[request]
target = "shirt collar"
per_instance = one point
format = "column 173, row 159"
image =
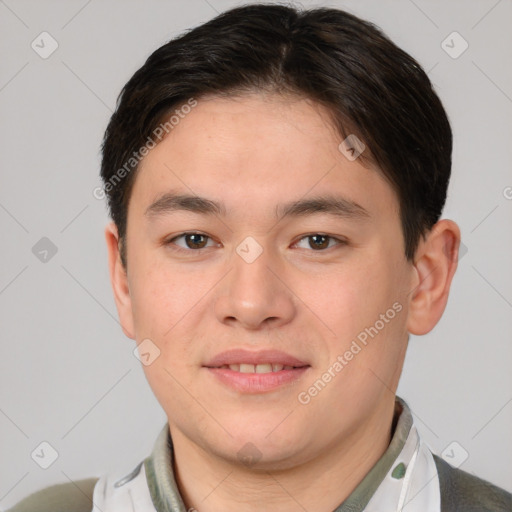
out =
column 362, row 494
column 385, row 477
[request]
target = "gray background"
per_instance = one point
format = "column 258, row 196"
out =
column 67, row 373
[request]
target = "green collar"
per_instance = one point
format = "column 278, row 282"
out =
column 362, row 494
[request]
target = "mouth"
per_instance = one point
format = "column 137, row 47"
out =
column 257, row 368
column 256, row 372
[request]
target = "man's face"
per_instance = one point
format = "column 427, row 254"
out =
column 302, row 287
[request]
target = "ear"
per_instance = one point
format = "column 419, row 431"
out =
column 435, row 264
column 119, row 281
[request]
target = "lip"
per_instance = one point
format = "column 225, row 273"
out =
column 241, row 355
column 256, row 382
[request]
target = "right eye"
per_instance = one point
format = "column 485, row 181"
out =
column 191, row 241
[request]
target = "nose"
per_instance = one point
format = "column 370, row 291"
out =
column 255, row 294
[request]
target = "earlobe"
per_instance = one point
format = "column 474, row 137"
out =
column 435, row 265
column 119, row 281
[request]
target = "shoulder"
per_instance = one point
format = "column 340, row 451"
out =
column 461, row 491
column 66, row 497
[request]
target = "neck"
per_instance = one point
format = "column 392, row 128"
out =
column 208, row 483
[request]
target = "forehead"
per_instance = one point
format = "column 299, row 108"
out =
column 258, row 149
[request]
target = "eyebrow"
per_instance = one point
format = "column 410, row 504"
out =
column 170, row 202
column 329, row 204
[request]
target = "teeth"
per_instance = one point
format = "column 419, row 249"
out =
column 263, row 368
column 257, row 368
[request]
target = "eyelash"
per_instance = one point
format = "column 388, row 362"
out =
column 340, row 242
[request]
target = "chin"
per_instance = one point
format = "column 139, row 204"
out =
column 256, row 449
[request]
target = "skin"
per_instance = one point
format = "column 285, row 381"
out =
column 252, row 153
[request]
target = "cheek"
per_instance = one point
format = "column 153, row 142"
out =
column 363, row 302
column 161, row 297
column 168, row 304
column 346, row 300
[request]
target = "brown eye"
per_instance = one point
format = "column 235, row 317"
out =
column 318, row 241
column 187, row 241
column 195, row 240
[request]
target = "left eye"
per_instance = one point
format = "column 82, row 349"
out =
column 318, row 241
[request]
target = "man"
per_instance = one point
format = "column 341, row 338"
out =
column 276, row 180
